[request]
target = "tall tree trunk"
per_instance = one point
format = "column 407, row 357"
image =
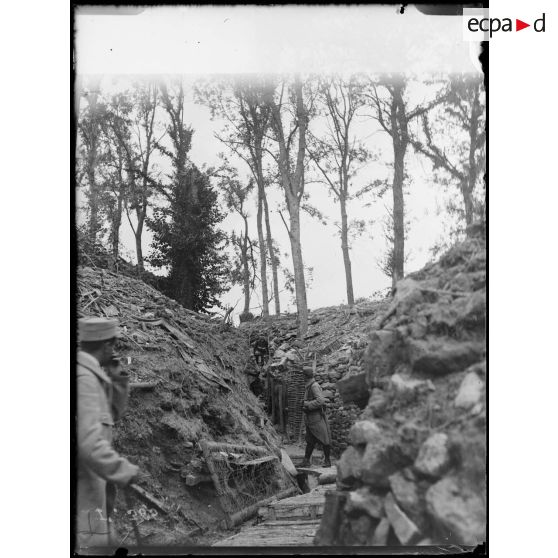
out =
column 138, row 234
column 263, row 255
column 468, row 188
column 245, row 267
column 398, row 214
column 345, row 250
column 293, row 187
column 246, row 278
column 400, row 141
column 115, row 233
column 298, row 265
column 272, row 256
column 93, row 134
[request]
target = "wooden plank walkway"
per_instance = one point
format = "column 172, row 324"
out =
column 275, row 533
column 303, row 506
column 289, row 522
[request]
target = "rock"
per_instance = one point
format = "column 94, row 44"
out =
column 475, row 310
column 406, row 494
column 328, row 394
column 403, row 385
column 408, row 294
column 380, row 460
column 364, row 431
column 433, row 458
column 362, row 500
column 381, row 355
column 406, row 531
column 412, row 432
column 354, row 389
column 439, row 356
column 284, row 347
column 459, row 512
column 470, row 391
column 381, row 533
column 339, row 358
column 362, row 529
column 378, row 402
column 349, row 467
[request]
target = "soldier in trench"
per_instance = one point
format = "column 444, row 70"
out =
column 102, row 391
column 315, row 419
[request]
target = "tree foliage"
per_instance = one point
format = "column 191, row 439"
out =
column 187, row 241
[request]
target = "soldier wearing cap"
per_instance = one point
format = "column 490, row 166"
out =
column 102, row 390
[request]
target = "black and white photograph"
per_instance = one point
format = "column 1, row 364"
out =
column 279, row 227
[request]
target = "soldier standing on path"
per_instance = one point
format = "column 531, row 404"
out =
column 315, row 419
column 102, row 392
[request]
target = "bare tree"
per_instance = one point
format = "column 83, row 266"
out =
column 138, row 147
column 291, row 141
column 463, row 161
column 393, row 115
column 247, row 117
column 90, row 130
column 236, row 196
column 338, row 154
column 113, row 174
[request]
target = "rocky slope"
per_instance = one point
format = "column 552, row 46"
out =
column 414, row 472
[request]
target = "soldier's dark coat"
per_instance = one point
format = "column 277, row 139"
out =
column 315, row 418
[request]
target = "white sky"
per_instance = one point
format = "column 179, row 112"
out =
column 372, row 39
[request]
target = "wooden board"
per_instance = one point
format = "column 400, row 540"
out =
column 304, row 506
column 318, row 471
column 275, row 533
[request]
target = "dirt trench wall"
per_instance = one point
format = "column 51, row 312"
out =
column 193, row 388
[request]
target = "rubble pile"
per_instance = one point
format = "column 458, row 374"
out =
column 188, row 385
column 414, row 472
column 334, row 346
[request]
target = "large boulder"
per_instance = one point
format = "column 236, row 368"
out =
column 364, row 431
column 362, row 500
column 470, row 392
column 380, row 460
column 406, row 531
column 457, row 511
column 439, row 356
column 406, row 494
column 381, row 533
column 382, row 353
column 433, row 458
column 349, row 466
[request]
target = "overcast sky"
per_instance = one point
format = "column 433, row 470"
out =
column 209, row 40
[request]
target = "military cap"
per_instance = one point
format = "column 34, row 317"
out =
column 97, row 329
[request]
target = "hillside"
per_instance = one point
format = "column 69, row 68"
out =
column 194, row 388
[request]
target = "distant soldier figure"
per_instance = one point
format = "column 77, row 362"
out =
column 261, row 350
column 102, row 390
column 315, row 419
